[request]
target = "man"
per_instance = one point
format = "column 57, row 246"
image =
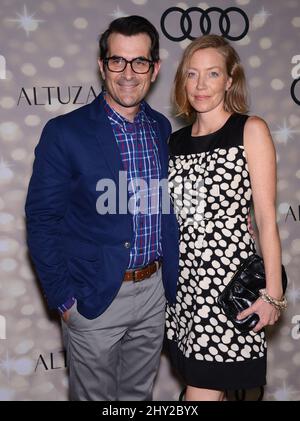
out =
column 100, row 264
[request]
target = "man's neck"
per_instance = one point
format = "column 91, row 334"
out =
column 127, row 112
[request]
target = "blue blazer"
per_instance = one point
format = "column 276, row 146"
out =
column 76, row 251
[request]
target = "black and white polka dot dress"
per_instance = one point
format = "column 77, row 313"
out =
column 211, row 192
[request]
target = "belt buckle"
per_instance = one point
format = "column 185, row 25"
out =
column 134, row 276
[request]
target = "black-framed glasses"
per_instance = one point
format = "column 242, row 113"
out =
column 118, row 64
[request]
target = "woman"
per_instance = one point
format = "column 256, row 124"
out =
column 219, row 163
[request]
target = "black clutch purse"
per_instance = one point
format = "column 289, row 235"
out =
column 243, row 290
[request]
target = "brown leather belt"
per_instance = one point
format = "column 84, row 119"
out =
column 138, row 275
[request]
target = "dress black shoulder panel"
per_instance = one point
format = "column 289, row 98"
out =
column 177, row 140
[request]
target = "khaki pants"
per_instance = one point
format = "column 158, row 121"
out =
column 116, row 356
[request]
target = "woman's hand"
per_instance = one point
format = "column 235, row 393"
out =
column 268, row 314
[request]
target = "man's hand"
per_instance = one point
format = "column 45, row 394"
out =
column 65, row 316
column 250, row 227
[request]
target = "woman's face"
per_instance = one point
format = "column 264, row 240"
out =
column 207, row 80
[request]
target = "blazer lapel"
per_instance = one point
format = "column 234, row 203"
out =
column 162, row 151
column 162, row 145
column 106, row 138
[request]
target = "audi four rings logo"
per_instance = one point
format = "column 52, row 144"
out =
column 204, row 22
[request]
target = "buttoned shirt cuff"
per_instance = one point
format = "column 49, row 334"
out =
column 67, row 305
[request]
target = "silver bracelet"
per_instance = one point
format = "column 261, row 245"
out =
column 278, row 304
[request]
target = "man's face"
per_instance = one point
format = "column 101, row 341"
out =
column 125, row 90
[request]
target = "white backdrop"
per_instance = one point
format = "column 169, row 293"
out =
column 48, row 66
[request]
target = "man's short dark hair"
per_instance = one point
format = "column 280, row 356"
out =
column 131, row 25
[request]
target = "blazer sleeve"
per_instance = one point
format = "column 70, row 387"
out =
column 46, row 205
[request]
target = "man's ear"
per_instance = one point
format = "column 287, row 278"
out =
column 101, row 68
column 156, row 67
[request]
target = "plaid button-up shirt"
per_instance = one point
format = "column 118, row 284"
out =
column 137, row 143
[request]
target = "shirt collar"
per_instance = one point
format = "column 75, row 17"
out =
column 118, row 118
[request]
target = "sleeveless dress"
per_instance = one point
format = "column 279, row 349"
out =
column 210, row 189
